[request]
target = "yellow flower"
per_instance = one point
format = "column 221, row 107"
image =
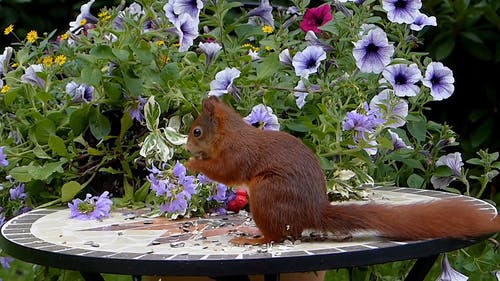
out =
column 160, row 43
column 60, row 60
column 5, row 89
column 32, row 36
column 83, row 22
column 65, row 36
column 14, row 65
column 47, row 61
column 267, row 29
column 104, row 15
column 268, row 48
column 247, row 45
column 8, row 29
column 164, row 58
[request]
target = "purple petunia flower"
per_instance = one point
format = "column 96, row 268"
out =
column 308, row 61
column 3, row 158
column 4, row 60
column 264, row 12
column 187, row 29
column 439, row 79
column 448, row 273
column 30, row 76
column 190, row 7
column 373, row 52
column 262, row 117
column 402, row 11
column 454, row 162
column 211, row 49
column 137, row 113
column 134, row 10
column 397, row 141
column 285, row 57
column 84, row 15
column 3, row 220
column 422, row 20
column 403, row 78
column 362, row 124
column 390, row 108
column 301, row 94
column 223, row 82
column 80, row 92
column 17, row 193
column 92, row 207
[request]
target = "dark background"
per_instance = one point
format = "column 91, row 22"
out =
column 466, row 40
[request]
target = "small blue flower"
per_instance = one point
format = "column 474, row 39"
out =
column 403, row 78
column 373, row 52
column 439, row 79
column 455, row 163
column 3, row 158
column 308, row 61
column 17, row 193
column 397, row 141
column 448, row 273
column 362, row 124
column 3, row 220
column 30, row 76
column 137, row 113
column 92, row 207
column 85, row 14
column 264, row 12
column 402, row 11
column 5, row 262
column 262, row 117
column 211, row 49
column 390, row 108
column 422, row 20
column 80, row 92
column 187, row 29
column 223, row 82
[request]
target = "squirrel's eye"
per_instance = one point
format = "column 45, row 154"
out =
column 197, row 132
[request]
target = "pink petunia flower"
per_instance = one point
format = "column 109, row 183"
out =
column 316, row 17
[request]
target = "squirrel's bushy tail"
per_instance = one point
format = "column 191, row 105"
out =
column 447, row 218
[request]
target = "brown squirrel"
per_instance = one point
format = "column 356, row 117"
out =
column 287, row 187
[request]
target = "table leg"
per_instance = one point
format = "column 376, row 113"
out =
column 421, row 268
column 92, row 276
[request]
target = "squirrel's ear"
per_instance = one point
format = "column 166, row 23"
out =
column 208, row 104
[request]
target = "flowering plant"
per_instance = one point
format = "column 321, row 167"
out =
column 105, row 106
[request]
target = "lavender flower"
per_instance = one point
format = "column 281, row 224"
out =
column 422, row 20
column 397, row 142
column 4, row 60
column 308, row 61
column 262, row 117
column 223, row 82
column 175, row 189
column 5, row 262
column 80, row 92
column 390, row 108
column 30, row 76
column 3, row 220
column 190, row 7
column 84, row 16
column 301, row 94
column 220, row 194
column 285, row 57
column 134, row 10
column 137, row 112
column 402, row 11
column 403, row 78
column 264, row 12
column 439, row 79
column 187, row 29
column 448, row 273
column 17, row 193
column 3, row 158
column 211, row 49
column 313, row 40
column 455, row 163
column 92, row 207
column 361, row 124
column 373, row 52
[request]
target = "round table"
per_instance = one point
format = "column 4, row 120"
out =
column 129, row 242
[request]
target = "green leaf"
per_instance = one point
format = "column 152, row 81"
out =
column 103, row 52
column 174, row 137
column 443, row 171
column 43, row 130
column 122, row 55
column 21, row 174
column 142, row 192
column 475, row 161
column 69, row 190
column 125, row 123
column 415, row 181
column 79, row 120
column 152, row 113
column 270, row 65
column 34, row 172
column 99, row 124
column 413, row 163
column 445, row 47
column 417, row 129
column 143, row 52
column 57, row 145
column 91, row 75
column 40, row 153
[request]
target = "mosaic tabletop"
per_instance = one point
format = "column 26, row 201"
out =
column 130, row 242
